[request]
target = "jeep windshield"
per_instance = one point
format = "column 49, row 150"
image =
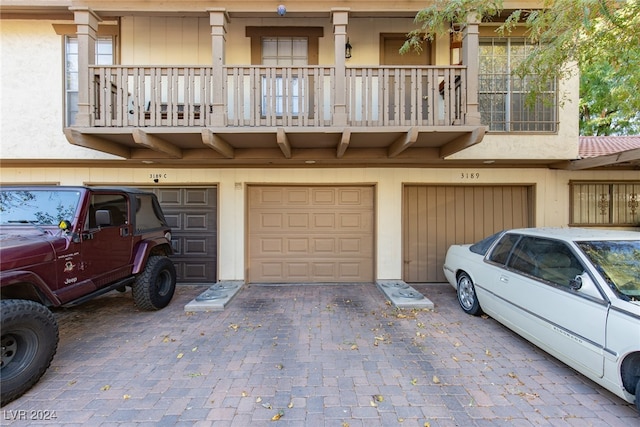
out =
column 617, row 262
column 38, row 206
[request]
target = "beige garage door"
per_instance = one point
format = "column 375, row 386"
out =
column 435, row 217
column 310, row 234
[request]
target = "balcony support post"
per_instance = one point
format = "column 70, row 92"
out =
column 218, row 20
column 87, row 28
column 340, row 21
column 470, row 58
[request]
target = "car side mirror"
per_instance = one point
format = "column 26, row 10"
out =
column 585, row 285
column 576, row 283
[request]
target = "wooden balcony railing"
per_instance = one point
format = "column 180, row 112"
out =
column 254, row 96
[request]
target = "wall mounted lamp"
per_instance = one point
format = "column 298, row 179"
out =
column 347, row 50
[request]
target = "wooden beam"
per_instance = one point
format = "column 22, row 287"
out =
column 283, row 142
column 156, row 144
column 214, row 141
column 344, row 143
column 96, row 143
column 629, row 156
column 463, row 141
column 404, row 142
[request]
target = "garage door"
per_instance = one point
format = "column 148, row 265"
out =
column 192, row 216
column 435, row 217
column 310, row 234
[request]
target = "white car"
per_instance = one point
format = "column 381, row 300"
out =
column 575, row 293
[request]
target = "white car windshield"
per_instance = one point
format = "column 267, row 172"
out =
column 618, row 262
column 38, row 207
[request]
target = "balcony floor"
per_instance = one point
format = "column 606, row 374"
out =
column 280, row 146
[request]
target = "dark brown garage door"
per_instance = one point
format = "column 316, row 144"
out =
column 435, row 217
column 192, row 216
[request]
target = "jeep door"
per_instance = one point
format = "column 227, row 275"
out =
column 107, row 240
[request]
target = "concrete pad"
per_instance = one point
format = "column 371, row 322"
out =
column 402, row 295
column 216, row 298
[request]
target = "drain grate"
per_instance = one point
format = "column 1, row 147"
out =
column 211, row 295
column 409, row 294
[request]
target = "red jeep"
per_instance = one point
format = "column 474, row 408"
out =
column 61, row 246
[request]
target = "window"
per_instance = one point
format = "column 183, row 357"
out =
column 114, row 205
column 502, row 95
column 285, row 94
column 104, row 56
column 605, row 203
column 500, row 254
column 549, row 260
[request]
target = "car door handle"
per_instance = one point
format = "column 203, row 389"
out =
column 504, row 279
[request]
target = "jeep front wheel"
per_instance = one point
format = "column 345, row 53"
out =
column 29, row 341
column 154, row 287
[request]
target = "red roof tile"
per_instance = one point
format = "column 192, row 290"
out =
column 594, row 146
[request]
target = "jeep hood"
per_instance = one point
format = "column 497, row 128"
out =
column 19, row 248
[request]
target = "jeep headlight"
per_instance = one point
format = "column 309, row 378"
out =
column 167, row 235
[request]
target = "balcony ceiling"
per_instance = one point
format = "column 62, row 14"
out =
column 260, row 146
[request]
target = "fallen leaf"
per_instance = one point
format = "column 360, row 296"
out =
column 426, row 424
column 414, row 381
column 455, row 359
column 378, row 398
column 435, row 380
column 277, row 416
column 345, row 424
column 354, row 347
column 290, row 405
column 512, row 375
column 179, row 356
column 244, row 394
column 105, row 388
column 279, row 366
column 126, row 396
column 258, row 399
column 374, row 404
column 487, row 352
column 194, row 349
column 267, row 405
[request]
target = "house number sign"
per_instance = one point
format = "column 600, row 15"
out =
column 469, row 175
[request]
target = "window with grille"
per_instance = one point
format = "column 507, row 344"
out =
column 502, row 94
column 284, row 93
column 605, row 203
column 104, row 56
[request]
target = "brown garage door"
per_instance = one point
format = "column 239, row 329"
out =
column 192, row 216
column 435, row 217
column 310, row 234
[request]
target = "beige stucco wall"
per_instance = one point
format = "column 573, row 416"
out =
column 31, row 94
column 551, row 203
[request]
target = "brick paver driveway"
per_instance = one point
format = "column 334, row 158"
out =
column 310, row 355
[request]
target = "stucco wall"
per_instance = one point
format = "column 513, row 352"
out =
column 551, row 196
column 31, row 94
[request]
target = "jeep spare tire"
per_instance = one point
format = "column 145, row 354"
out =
column 29, row 341
column 155, row 285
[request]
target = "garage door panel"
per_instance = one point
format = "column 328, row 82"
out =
column 309, row 233
column 192, row 215
column 435, row 217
